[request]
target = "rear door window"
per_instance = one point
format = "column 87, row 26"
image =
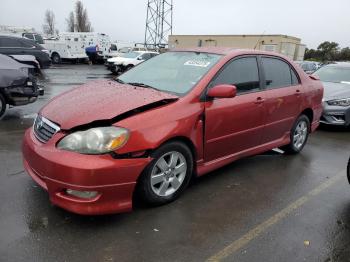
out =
column 242, row 72
column 278, row 73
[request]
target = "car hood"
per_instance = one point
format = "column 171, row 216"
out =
column 336, row 90
column 100, row 101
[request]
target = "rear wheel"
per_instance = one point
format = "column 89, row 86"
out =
column 168, row 175
column 2, row 105
column 298, row 135
column 56, row 59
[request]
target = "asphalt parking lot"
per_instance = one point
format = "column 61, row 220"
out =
column 270, row 207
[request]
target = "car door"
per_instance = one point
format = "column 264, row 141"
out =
column 233, row 125
column 283, row 97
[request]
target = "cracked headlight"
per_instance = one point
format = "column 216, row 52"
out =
column 95, row 141
column 339, row 102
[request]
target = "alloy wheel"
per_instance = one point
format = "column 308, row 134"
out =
column 168, row 173
column 300, row 134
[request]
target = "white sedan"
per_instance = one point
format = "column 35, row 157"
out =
column 128, row 60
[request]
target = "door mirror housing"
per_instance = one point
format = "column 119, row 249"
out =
column 222, row 91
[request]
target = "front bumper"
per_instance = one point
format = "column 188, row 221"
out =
column 57, row 170
column 22, row 95
column 335, row 115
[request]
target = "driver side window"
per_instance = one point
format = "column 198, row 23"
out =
column 242, row 72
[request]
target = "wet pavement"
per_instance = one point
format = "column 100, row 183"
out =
column 270, row 207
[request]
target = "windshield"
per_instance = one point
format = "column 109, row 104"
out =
column 174, row 72
column 124, row 49
column 131, row 55
column 334, row 74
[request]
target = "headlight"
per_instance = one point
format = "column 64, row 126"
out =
column 95, row 141
column 339, row 102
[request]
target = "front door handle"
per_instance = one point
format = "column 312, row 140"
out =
column 259, row 100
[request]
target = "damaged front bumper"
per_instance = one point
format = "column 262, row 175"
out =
column 23, row 94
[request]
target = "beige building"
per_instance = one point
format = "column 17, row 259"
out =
column 283, row 44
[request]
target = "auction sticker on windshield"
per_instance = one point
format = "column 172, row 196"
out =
column 200, row 63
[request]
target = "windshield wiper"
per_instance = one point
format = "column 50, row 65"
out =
column 141, row 85
column 119, row 81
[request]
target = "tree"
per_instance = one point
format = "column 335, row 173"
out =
column 49, row 23
column 328, row 50
column 82, row 23
column 70, row 22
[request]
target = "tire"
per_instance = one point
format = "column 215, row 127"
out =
column 56, row 59
column 298, row 135
column 160, row 183
column 2, row 105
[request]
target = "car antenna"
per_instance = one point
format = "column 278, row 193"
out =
column 259, row 40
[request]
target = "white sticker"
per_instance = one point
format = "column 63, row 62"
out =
column 200, row 63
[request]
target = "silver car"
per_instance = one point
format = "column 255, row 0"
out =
column 336, row 100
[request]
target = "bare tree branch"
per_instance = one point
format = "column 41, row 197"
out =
column 49, row 23
column 70, row 22
column 82, row 23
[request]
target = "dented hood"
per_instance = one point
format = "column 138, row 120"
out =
column 99, row 100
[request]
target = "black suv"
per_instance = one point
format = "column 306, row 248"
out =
column 10, row 45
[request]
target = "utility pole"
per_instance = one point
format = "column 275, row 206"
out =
column 159, row 23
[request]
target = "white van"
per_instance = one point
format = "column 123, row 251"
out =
column 72, row 45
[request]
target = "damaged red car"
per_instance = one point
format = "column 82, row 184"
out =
column 181, row 114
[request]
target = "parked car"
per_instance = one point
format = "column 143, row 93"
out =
column 180, row 114
column 28, row 60
column 10, row 45
column 115, row 52
column 308, row 67
column 17, row 84
column 336, row 101
column 128, row 60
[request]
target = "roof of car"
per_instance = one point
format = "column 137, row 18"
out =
column 224, row 51
column 339, row 64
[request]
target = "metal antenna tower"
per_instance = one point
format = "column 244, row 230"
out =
column 159, row 23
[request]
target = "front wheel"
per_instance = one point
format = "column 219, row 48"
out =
column 298, row 135
column 2, row 105
column 168, row 175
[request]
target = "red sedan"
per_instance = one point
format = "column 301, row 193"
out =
column 178, row 115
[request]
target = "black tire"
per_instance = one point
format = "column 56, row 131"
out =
column 2, row 105
column 291, row 148
column 144, row 187
column 56, row 59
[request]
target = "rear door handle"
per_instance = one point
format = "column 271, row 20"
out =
column 259, row 100
column 297, row 92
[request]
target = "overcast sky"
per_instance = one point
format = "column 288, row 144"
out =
column 313, row 21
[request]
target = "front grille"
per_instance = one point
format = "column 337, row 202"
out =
column 44, row 129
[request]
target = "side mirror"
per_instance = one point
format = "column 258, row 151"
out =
column 139, row 58
column 314, row 77
column 222, row 91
